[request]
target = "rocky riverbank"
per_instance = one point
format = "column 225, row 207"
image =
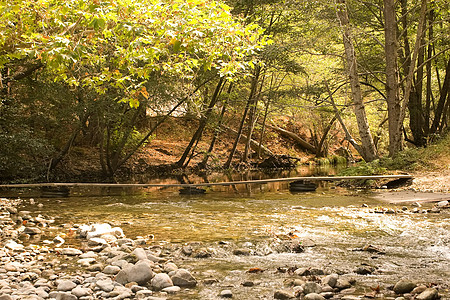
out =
column 108, row 265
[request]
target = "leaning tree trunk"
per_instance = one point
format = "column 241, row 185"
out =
column 369, row 151
column 203, row 121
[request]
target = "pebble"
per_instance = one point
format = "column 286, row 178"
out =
column 428, row 294
column 404, row 286
column 226, row 294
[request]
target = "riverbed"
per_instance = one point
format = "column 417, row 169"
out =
column 333, row 224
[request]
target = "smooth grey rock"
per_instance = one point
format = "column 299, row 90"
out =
column 143, row 294
column 81, row 292
column 311, row 288
column 161, row 281
column 330, row 280
column 419, row 289
column 66, row 285
column 170, row 267
column 171, row 289
column 428, row 294
column 183, row 278
column 106, row 285
column 314, row 296
column 226, row 294
column 442, row 203
column 342, row 284
column 404, row 286
column 139, row 253
column 140, row 273
column 111, row 270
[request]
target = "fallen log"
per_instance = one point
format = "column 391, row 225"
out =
column 253, row 144
column 299, row 141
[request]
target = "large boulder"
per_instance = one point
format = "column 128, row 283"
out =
column 183, row 278
column 161, row 280
column 140, row 273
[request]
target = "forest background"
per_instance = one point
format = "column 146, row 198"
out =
column 89, row 89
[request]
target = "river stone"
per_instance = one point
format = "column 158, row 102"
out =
column 428, row 294
column 311, row 288
column 95, row 241
column 242, row 251
column 442, row 203
column 330, row 280
column 66, row 285
column 81, row 292
column 139, row 253
column 419, row 289
column 342, row 283
column 404, row 286
column 32, row 230
column 143, row 294
column 282, row 294
column 140, row 273
column 111, row 270
column 65, row 296
column 314, row 296
column 170, row 267
column 171, row 289
column 105, row 285
column 69, row 251
column 183, row 278
column 226, row 294
column 161, row 280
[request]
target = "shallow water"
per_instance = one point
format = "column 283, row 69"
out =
column 332, row 220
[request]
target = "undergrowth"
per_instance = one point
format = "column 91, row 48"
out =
column 431, row 158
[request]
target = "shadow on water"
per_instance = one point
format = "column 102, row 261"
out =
column 331, row 221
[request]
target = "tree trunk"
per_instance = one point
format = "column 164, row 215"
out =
column 203, row 121
column 369, row 151
column 216, row 131
column 299, row 141
column 429, row 92
column 442, row 98
column 392, row 91
column 253, row 100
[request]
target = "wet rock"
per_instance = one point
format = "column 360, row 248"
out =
column 144, row 294
column 226, row 294
column 404, row 286
column 428, row 294
column 314, row 296
column 183, row 278
column 302, row 272
column 248, row 283
column 327, row 295
column 170, row 267
column 32, row 230
column 95, row 268
column 342, row 284
column 202, row 253
column 442, row 204
column 66, row 285
column 69, row 251
column 364, row 270
column 418, row 289
column 140, row 273
column 161, row 281
column 94, row 242
column 283, row 294
column 171, row 289
column 242, row 251
column 311, row 288
column 330, row 280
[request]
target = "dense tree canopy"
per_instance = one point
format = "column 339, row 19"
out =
column 371, row 77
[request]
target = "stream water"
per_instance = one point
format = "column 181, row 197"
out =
column 331, row 222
